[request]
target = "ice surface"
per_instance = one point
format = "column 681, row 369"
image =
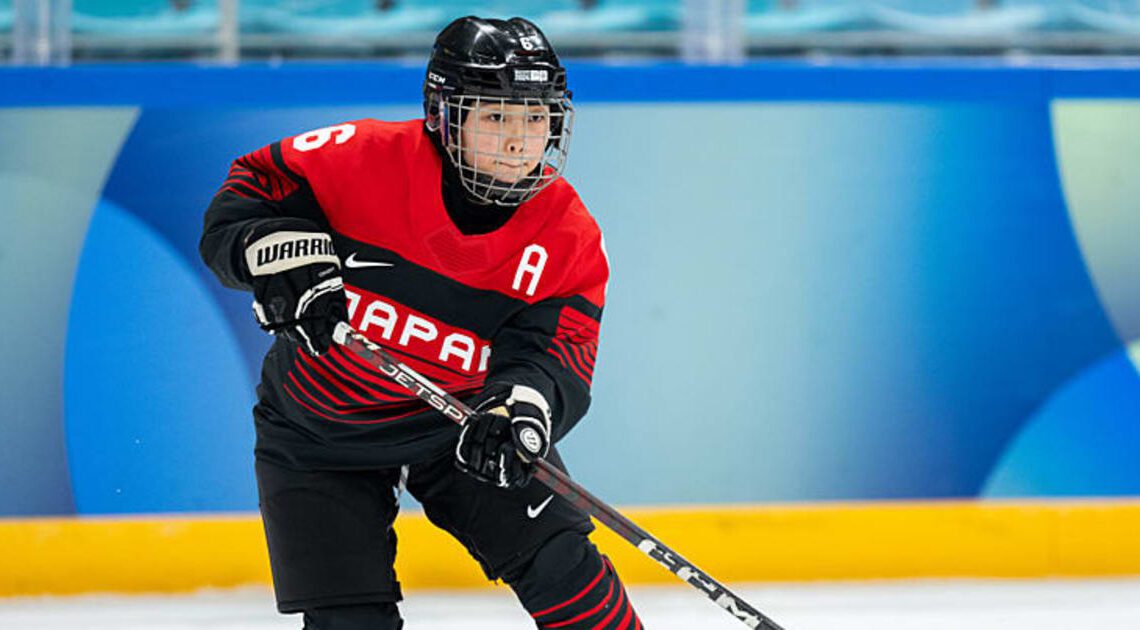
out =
column 924, row 605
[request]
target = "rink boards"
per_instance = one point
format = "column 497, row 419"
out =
column 734, row 544
column 872, row 283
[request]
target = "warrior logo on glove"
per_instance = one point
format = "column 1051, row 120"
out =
column 297, row 287
column 531, row 441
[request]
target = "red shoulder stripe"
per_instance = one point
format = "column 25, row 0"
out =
column 273, row 182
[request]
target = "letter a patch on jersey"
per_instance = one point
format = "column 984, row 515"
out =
column 530, row 268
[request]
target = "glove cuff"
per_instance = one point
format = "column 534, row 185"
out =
column 519, row 401
column 530, row 420
column 530, row 395
column 281, row 251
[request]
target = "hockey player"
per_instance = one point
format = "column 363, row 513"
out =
column 454, row 242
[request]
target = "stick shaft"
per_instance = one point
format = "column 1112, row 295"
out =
column 561, row 484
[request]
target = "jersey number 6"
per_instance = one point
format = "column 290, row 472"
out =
column 317, row 138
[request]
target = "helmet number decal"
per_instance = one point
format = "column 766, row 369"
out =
column 318, row 138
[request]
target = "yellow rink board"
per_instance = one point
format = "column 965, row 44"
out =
column 733, row 544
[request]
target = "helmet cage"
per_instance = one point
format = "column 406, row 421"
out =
column 465, row 153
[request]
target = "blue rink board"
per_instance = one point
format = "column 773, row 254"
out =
column 295, row 84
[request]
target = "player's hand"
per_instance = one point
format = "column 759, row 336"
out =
column 297, row 287
column 510, row 430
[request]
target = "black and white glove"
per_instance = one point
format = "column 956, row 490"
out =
column 297, row 287
column 500, row 442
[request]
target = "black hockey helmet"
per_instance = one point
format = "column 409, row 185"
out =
column 478, row 62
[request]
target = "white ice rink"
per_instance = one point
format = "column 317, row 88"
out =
column 927, row 605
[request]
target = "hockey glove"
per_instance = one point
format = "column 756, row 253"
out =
column 297, row 287
column 500, row 442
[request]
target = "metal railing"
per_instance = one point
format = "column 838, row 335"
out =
column 704, row 31
column 41, row 32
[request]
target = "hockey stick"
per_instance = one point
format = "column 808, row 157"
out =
column 560, row 483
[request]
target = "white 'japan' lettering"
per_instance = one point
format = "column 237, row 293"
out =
column 383, row 315
column 460, row 346
column 455, row 348
column 418, row 327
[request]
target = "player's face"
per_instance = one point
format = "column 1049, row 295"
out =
column 505, row 140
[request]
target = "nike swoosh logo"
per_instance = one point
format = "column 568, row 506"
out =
column 533, row 512
column 351, row 261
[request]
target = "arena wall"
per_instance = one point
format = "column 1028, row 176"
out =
column 871, row 319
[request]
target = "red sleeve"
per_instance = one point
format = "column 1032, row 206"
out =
column 270, row 184
column 552, row 345
column 262, row 175
column 575, row 339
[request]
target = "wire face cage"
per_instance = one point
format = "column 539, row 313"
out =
column 506, row 150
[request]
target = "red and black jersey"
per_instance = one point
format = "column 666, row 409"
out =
column 520, row 304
